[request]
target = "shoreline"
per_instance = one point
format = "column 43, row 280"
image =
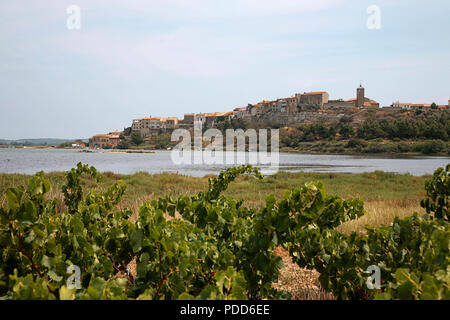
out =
column 406, row 155
column 399, row 155
column 119, row 176
column 388, row 155
column 349, row 147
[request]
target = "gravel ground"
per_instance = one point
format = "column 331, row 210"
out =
column 302, row 284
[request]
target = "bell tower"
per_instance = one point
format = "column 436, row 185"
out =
column 360, row 97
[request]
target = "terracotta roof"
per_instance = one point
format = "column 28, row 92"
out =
column 147, row 118
column 403, row 103
column 264, row 101
column 314, row 93
column 215, row 114
column 366, row 100
column 170, row 118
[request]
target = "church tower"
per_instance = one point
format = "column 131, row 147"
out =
column 360, row 96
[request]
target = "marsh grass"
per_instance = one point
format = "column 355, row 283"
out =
column 376, row 186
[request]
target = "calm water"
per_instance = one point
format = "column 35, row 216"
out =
column 30, row 161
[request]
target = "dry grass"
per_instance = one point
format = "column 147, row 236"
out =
column 383, row 212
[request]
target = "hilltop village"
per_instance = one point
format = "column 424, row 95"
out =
column 301, row 108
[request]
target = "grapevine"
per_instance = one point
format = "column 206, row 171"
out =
column 210, row 246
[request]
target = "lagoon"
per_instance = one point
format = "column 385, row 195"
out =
column 31, row 160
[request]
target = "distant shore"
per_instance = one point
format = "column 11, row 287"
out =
column 325, row 147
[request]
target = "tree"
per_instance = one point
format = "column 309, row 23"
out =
column 433, row 146
column 346, row 131
column 127, row 131
column 321, row 130
column 371, row 129
column 123, row 145
column 332, row 132
column 136, row 138
column 240, row 124
column 66, row 144
column 434, row 106
column 161, row 141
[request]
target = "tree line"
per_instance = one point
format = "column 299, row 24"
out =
column 428, row 129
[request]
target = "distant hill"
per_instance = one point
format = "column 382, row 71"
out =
column 42, row 141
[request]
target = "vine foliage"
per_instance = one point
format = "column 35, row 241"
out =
column 210, row 246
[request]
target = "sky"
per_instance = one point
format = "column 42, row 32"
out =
column 136, row 58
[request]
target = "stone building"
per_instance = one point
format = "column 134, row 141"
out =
column 169, row 123
column 368, row 103
column 187, row 122
column 212, row 119
column 239, row 113
column 146, row 123
column 104, row 141
column 420, row 106
column 312, row 99
column 200, row 117
column 279, row 106
column 152, row 126
column 402, row 105
column 265, row 106
column 259, row 109
column 337, row 104
column 188, row 118
column 291, row 104
column 361, row 101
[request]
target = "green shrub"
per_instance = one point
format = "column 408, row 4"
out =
column 216, row 248
column 403, row 147
column 123, row 145
column 376, row 148
column 430, row 147
column 357, row 143
column 412, row 253
column 136, row 138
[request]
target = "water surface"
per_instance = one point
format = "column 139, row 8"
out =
column 29, row 161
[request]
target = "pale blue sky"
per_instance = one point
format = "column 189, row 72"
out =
column 136, row 58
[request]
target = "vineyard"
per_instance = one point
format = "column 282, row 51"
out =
column 210, row 246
